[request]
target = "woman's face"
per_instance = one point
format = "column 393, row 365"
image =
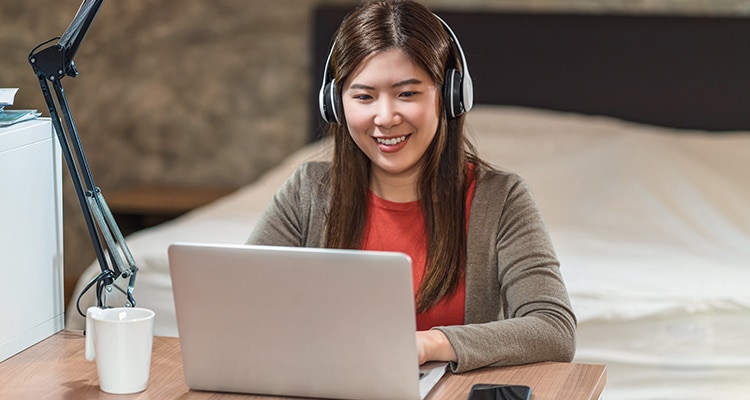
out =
column 392, row 112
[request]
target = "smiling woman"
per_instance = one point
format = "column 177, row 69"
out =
column 404, row 178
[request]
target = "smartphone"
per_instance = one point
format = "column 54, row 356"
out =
column 489, row 391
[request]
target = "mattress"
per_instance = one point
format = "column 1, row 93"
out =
column 651, row 226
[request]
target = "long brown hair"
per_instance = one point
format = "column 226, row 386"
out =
column 411, row 27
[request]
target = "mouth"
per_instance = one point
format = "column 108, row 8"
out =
column 391, row 141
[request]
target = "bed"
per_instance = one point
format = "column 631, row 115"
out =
column 634, row 136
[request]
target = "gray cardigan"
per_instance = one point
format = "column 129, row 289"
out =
column 517, row 308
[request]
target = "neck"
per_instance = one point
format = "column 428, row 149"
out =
column 400, row 188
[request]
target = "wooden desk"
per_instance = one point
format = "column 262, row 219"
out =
column 56, row 369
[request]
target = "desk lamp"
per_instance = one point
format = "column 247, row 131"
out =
column 51, row 64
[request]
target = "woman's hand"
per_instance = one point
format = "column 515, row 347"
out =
column 432, row 345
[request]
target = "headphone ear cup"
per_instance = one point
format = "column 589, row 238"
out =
column 329, row 103
column 453, row 93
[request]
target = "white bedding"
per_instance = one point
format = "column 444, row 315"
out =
column 651, row 226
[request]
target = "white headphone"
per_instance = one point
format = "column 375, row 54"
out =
column 458, row 89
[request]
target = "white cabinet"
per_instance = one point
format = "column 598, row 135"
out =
column 31, row 246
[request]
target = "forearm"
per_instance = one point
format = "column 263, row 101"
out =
column 522, row 340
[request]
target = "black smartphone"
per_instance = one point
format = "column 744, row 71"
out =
column 489, row 391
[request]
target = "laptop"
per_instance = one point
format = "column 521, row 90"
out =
column 304, row 322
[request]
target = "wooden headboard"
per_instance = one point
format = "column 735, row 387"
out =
column 688, row 72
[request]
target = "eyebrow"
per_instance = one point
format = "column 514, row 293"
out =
column 411, row 81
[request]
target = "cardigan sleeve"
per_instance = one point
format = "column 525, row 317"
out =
column 295, row 215
column 518, row 310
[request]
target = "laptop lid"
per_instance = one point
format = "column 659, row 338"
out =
column 296, row 321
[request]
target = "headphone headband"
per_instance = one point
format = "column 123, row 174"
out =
column 458, row 89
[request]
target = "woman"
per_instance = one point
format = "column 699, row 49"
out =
column 404, row 178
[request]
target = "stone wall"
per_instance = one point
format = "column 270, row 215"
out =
column 206, row 92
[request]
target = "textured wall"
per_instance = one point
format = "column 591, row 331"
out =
column 203, row 91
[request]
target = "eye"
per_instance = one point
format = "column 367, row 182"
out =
column 408, row 94
column 362, row 97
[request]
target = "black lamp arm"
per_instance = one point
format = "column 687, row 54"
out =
column 50, row 65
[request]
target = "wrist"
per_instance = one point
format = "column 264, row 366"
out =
column 439, row 348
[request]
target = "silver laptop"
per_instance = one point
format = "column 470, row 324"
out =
column 298, row 322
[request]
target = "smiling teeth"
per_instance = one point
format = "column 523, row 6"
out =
column 391, row 142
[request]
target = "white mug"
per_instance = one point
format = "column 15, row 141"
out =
column 120, row 339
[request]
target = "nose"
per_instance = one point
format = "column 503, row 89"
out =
column 387, row 114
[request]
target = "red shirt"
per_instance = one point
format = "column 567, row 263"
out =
column 400, row 227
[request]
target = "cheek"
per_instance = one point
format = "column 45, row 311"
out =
column 425, row 115
column 357, row 118
column 358, row 125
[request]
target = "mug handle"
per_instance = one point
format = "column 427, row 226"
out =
column 91, row 312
